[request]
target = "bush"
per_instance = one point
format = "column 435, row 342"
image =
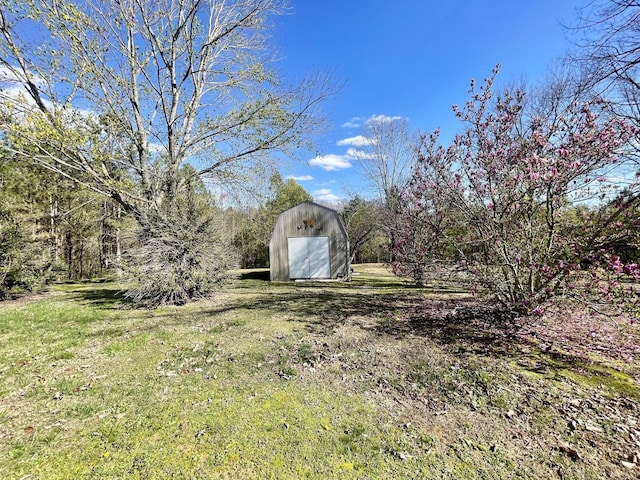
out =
column 184, row 252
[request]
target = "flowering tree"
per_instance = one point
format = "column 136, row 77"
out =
column 513, row 200
column 427, row 225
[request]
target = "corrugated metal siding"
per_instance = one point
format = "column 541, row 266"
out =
column 308, row 219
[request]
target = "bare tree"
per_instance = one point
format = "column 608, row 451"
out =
column 608, row 53
column 123, row 95
column 361, row 219
column 386, row 154
column 608, row 61
column 150, row 85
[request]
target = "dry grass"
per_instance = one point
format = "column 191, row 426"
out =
column 370, row 379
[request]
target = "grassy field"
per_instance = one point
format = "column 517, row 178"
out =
column 368, row 379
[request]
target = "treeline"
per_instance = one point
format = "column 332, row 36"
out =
column 53, row 229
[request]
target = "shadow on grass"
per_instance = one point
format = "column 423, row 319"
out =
column 102, row 297
column 258, row 274
column 101, row 293
column 446, row 316
column 458, row 322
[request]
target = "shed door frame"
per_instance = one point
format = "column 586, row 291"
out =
column 309, row 257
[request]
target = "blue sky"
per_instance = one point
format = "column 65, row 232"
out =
column 413, row 59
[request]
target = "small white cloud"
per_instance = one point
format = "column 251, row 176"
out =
column 301, row 178
column 360, row 154
column 355, row 122
column 331, row 162
column 325, row 195
column 357, row 141
column 382, row 119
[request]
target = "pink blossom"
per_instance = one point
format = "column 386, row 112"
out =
column 616, row 266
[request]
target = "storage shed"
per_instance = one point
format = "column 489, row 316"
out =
column 309, row 242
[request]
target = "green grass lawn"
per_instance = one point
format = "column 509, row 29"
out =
column 368, row 379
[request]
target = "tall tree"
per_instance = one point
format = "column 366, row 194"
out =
column 606, row 36
column 22, row 258
column 171, row 80
column 69, row 226
column 120, row 94
column 386, row 155
column 287, row 193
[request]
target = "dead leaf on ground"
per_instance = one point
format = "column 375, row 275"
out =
column 571, row 451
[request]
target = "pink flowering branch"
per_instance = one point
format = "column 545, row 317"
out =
column 503, row 203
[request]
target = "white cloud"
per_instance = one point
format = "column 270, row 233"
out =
column 13, row 82
column 301, row 178
column 14, row 91
column 325, row 195
column 331, row 162
column 382, row 119
column 157, row 148
column 357, row 141
column 13, row 78
column 355, row 122
column 13, row 88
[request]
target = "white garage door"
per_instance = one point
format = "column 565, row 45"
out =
column 309, row 257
